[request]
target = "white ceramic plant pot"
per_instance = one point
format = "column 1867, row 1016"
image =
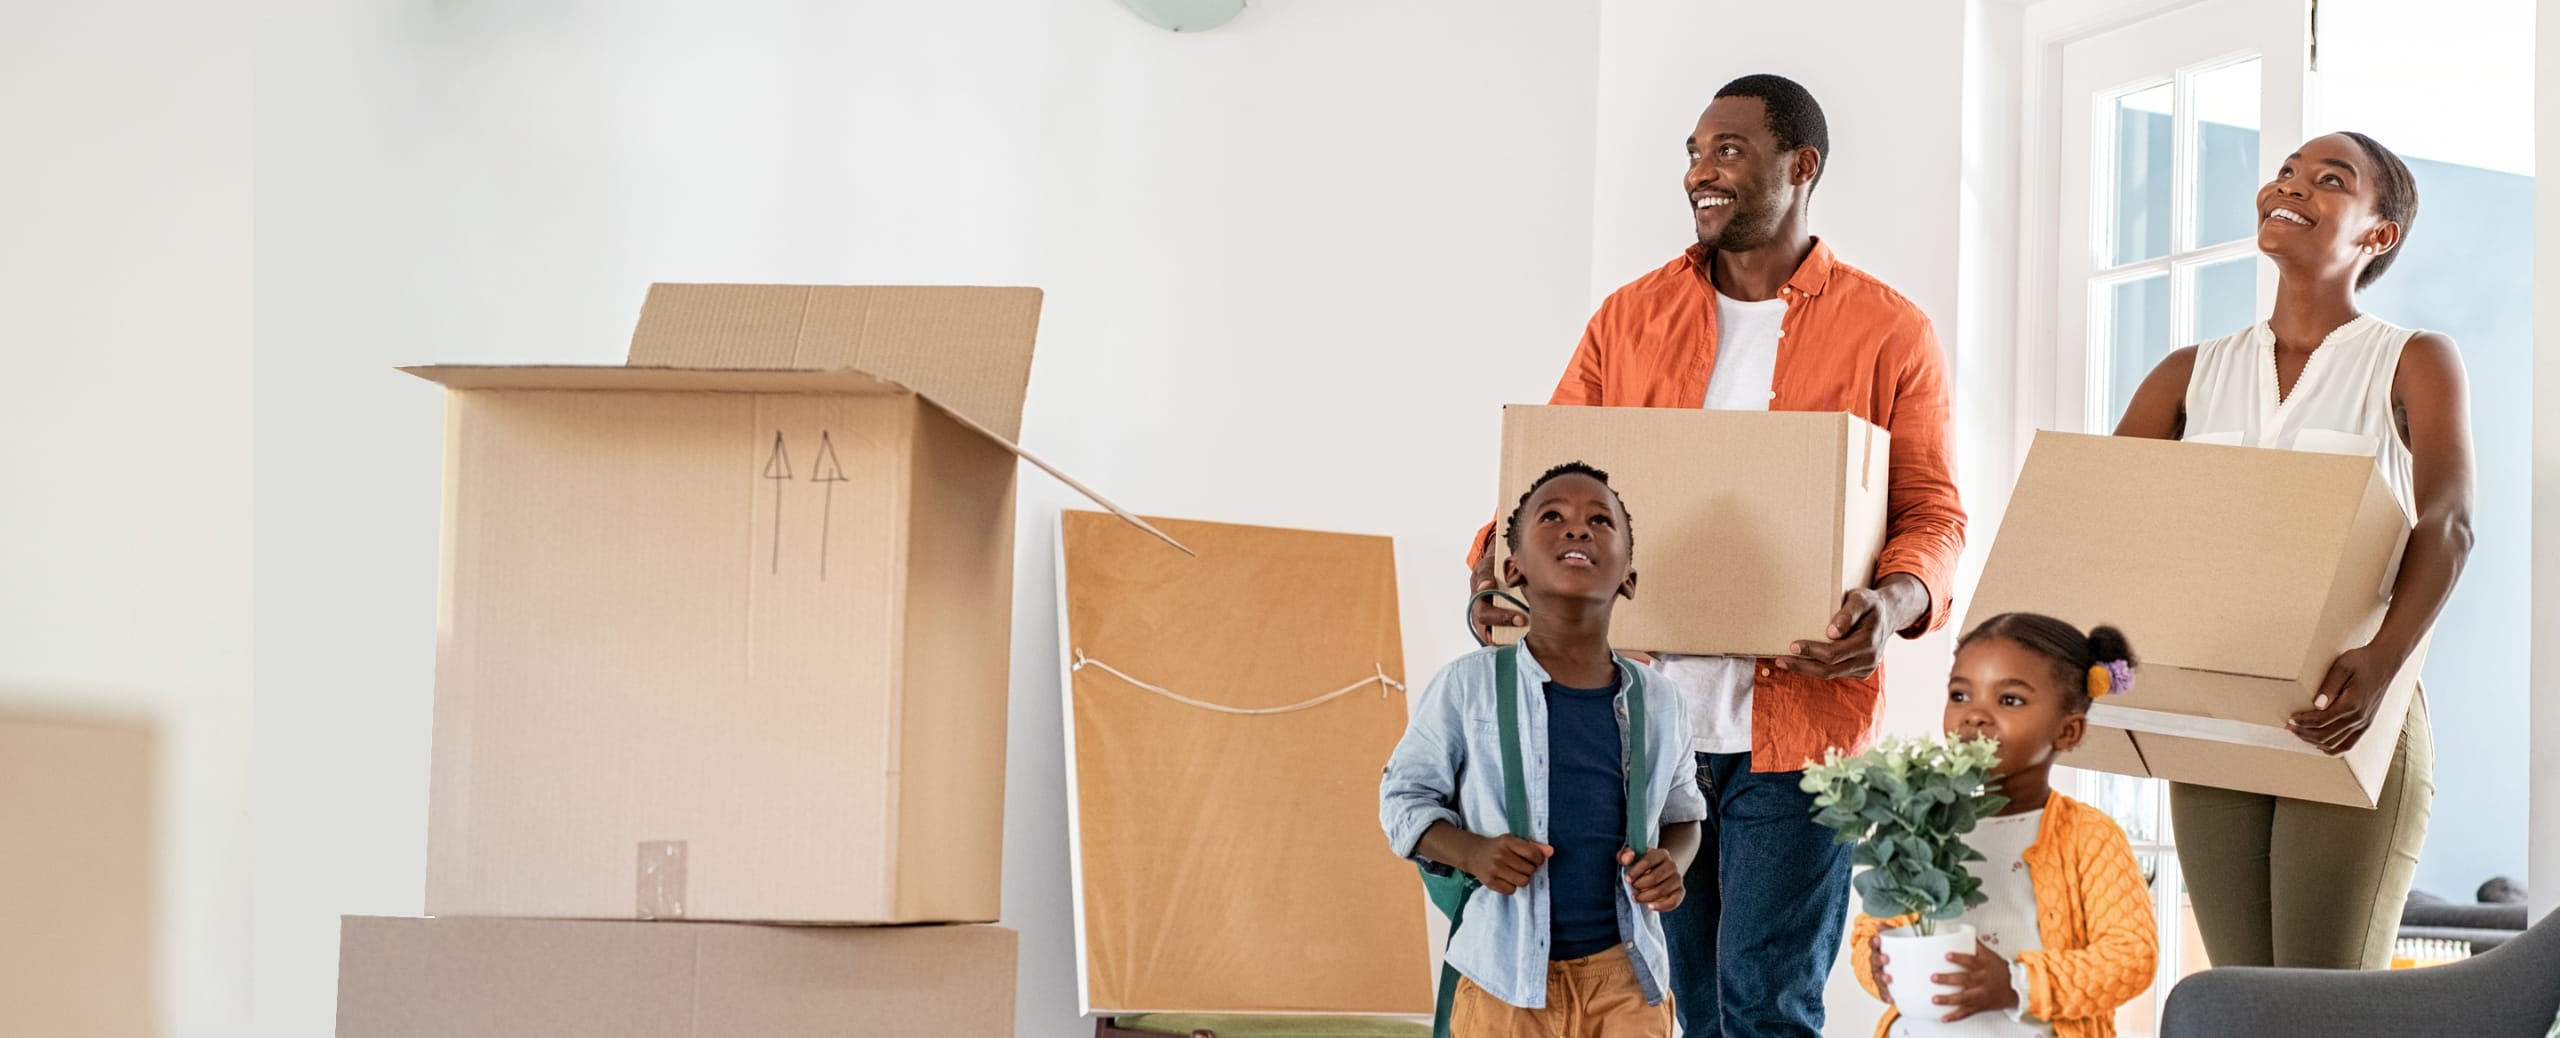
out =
column 1911, row 961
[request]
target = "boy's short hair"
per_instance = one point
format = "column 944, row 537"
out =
column 1511, row 526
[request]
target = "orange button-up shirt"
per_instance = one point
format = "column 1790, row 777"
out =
column 1847, row 343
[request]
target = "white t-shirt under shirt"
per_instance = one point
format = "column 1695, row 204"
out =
column 2006, row 919
column 1717, row 689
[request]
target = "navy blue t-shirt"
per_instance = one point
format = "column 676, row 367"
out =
column 1587, row 818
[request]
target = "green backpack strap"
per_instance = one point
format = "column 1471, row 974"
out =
column 1515, row 791
column 1451, row 892
column 1639, row 761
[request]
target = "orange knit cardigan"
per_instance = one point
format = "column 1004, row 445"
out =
column 2093, row 915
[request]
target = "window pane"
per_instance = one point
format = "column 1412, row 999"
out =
column 2137, row 336
column 2133, row 802
column 2226, row 296
column 2226, row 153
column 2143, row 131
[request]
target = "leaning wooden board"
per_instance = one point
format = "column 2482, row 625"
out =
column 1232, row 863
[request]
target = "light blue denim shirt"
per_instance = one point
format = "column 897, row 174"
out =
column 1448, row 768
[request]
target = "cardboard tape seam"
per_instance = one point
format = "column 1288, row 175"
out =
column 660, row 887
column 2162, row 722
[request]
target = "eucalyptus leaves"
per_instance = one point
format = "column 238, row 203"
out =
column 1907, row 804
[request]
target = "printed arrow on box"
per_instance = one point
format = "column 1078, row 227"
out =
column 777, row 467
column 828, row 471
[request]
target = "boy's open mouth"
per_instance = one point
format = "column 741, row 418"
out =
column 1574, row 557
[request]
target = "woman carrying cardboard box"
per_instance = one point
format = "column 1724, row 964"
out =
column 2278, row 881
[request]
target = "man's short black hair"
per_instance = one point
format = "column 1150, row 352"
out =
column 1511, row 527
column 1795, row 118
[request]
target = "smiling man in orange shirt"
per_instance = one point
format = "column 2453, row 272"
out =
column 1759, row 316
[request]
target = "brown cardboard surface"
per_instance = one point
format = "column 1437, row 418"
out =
column 76, row 856
column 969, row 349
column 1231, row 863
column 721, row 633
column 1749, row 526
column 959, row 588
column 541, row 978
column 684, row 618
column 2239, row 574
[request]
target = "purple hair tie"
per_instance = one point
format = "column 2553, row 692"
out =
column 2112, row 678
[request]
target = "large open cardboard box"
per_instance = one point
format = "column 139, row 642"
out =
column 724, row 632
column 77, row 858
column 2239, row 575
column 1231, row 862
column 1750, row 526
column 551, row 978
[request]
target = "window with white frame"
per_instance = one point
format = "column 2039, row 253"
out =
column 2179, row 253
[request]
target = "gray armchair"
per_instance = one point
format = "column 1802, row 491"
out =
column 2513, row 989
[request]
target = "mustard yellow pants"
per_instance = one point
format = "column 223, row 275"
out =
column 1595, row 997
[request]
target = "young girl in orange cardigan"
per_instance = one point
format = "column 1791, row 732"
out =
column 2066, row 932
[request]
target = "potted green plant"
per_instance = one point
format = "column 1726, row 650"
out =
column 1907, row 805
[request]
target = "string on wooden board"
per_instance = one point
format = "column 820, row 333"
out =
column 1385, row 685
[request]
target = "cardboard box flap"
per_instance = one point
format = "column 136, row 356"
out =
column 703, row 380
column 1061, row 476
column 967, row 349
column 2260, row 536
column 653, row 380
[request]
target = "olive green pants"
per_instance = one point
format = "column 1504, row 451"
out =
column 2282, row 882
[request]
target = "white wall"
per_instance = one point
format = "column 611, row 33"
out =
column 346, row 495
column 124, row 323
column 1293, row 265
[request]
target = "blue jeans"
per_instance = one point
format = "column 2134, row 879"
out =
column 1753, row 942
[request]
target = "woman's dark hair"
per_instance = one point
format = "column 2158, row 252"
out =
column 2395, row 198
column 2071, row 652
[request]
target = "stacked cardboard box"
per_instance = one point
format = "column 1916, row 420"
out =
column 723, row 638
column 76, row 819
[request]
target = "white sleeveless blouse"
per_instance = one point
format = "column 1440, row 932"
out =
column 2340, row 405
